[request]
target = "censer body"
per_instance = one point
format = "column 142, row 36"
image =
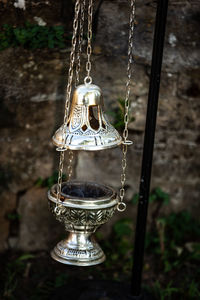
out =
column 85, row 207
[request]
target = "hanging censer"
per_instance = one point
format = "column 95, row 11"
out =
column 84, row 206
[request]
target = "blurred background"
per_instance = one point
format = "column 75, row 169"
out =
column 35, row 42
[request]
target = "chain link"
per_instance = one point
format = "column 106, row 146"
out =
column 70, row 169
column 67, row 103
column 121, row 205
column 88, row 78
column 72, row 60
column 80, row 41
column 78, row 67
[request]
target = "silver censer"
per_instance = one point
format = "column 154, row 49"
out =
column 84, row 207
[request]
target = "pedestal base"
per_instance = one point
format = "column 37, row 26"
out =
column 79, row 249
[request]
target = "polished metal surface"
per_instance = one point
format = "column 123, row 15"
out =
column 78, row 249
column 84, row 207
column 87, row 127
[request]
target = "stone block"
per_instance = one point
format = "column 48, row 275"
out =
column 8, row 206
column 38, row 229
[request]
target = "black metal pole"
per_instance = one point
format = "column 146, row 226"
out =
column 158, row 44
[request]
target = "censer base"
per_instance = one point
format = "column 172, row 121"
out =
column 78, row 249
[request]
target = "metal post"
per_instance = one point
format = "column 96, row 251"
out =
column 158, row 44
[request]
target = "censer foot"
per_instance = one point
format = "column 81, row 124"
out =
column 79, row 249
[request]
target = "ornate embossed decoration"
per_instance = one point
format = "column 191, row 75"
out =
column 81, row 217
column 84, row 206
column 87, row 127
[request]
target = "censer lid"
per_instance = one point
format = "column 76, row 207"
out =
column 87, row 127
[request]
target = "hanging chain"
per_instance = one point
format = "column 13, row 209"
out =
column 72, row 60
column 67, row 103
column 88, row 78
column 121, row 205
column 80, row 41
column 78, row 67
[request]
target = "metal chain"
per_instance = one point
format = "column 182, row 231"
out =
column 121, row 205
column 88, row 78
column 80, row 41
column 66, row 114
column 70, row 161
column 77, row 78
column 72, row 60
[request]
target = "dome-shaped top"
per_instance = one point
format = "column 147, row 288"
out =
column 87, row 127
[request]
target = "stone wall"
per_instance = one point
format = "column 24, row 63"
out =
column 32, row 100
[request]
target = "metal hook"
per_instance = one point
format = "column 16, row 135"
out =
column 88, row 80
column 57, row 211
column 121, row 206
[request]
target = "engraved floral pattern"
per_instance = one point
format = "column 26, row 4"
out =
column 81, row 217
column 76, row 118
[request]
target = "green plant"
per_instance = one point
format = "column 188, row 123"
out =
column 13, row 216
column 164, row 293
column 179, row 228
column 33, row 36
column 122, row 228
column 193, row 290
column 118, row 115
column 175, row 243
column 61, row 279
column 49, row 181
column 118, row 247
column 171, row 258
column 157, row 195
column 43, row 290
column 13, row 271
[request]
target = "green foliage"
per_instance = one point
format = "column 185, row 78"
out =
column 118, row 115
column 13, row 271
column 172, row 247
column 188, row 291
column 178, row 229
column 174, row 240
column 181, row 227
column 119, row 247
column 172, row 243
column 163, row 293
column 33, row 36
column 193, row 290
column 43, row 291
column 13, row 216
column 61, row 279
column 157, row 195
column 49, row 181
column 24, row 257
column 135, row 199
column 47, row 286
column 122, row 228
